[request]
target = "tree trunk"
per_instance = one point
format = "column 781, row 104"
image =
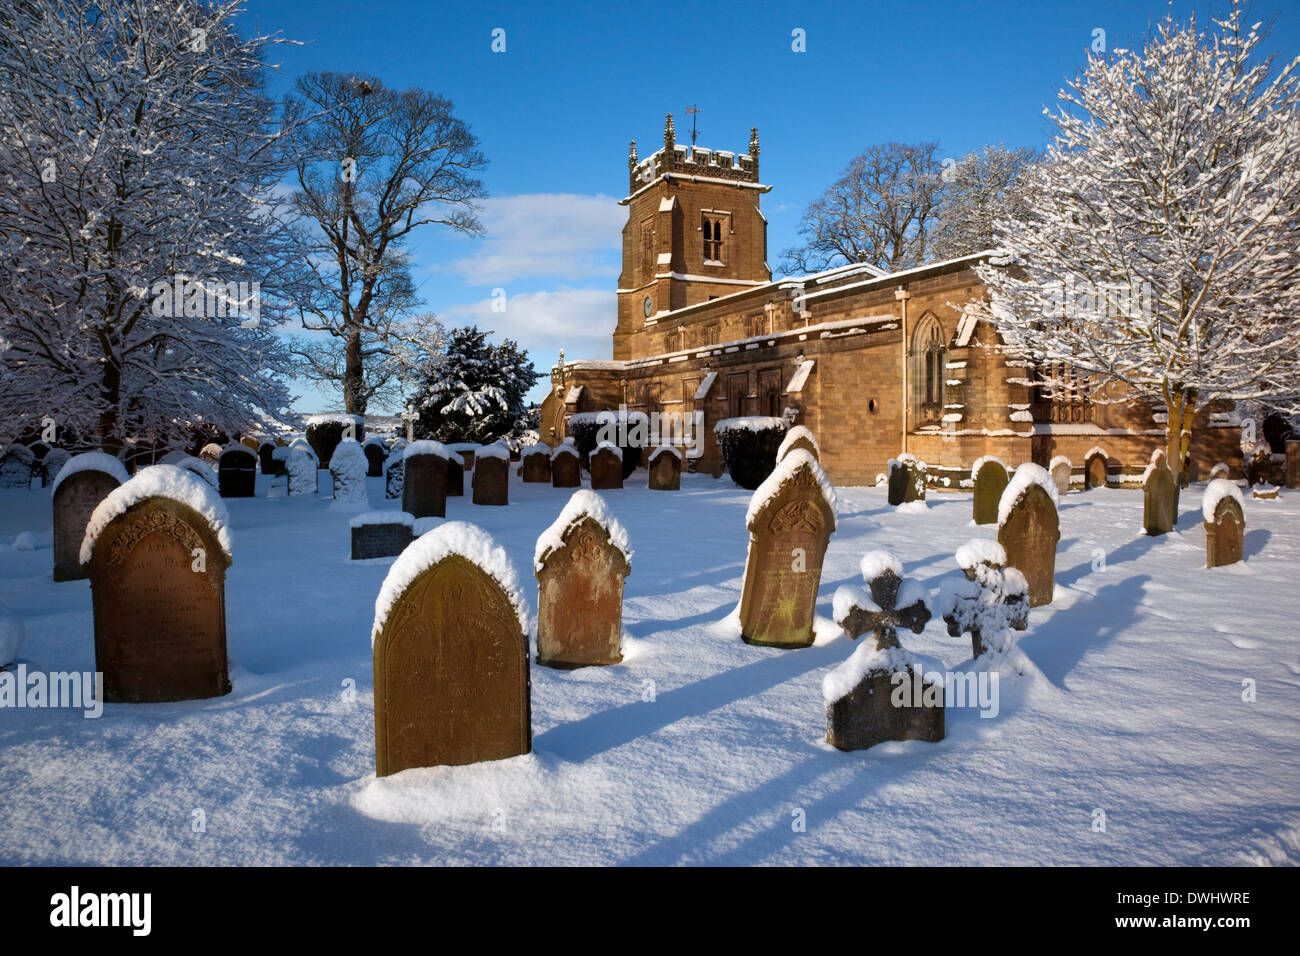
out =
column 1181, row 406
column 353, row 391
column 110, row 390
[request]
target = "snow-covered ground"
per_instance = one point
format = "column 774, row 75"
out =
column 698, row 748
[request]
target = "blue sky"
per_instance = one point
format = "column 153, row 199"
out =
column 555, row 111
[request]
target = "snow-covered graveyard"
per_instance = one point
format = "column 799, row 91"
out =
column 1147, row 715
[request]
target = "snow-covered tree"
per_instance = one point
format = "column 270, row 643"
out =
column 1161, row 249
column 374, row 164
column 980, row 188
column 879, row 211
column 476, row 392
column 141, row 265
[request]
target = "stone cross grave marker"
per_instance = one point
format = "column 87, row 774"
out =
column 987, row 601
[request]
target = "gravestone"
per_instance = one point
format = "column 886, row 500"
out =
column 266, row 457
column 468, row 452
column 492, row 476
column 1060, row 470
column 1029, row 529
column 1220, row 470
column 1262, row 469
column 906, row 479
column 16, row 465
column 393, row 478
column 1264, row 492
column 200, row 469
column 237, row 472
column 157, row 579
column 375, row 457
column 87, row 481
column 790, row 520
column 1293, row 463
column 424, row 479
column 455, row 475
column 300, row 466
column 1159, row 497
column 1094, row 470
column 348, row 467
column 861, row 704
column 450, row 655
column 210, row 455
column 666, row 469
column 989, row 600
column 566, row 467
column 52, row 464
column 606, row 467
column 990, row 477
column 798, row 437
column 1225, row 523
column 535, row 464
column 250, row 443
column 581, row 562
column 380, row 534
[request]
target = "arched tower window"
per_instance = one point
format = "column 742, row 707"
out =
column 925, row 371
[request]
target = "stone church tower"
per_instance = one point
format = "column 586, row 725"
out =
column 693, row 233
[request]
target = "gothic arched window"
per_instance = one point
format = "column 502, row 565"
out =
column 925, row 371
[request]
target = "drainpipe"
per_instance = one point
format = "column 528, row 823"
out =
column 902, row 295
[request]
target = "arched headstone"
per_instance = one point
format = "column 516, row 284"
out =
column 52, row 464
column 1029, row 529
column 607, row 467
column 566, row 467
column 237, row 472
column 348, row 467
column 581, row 562
column 300, row 465
column 424, row 479
column 157, row 553
column 450, row 655
column 798, row 437
column 1060, row 469
column 210, row 455
column 16, row 466
column 1159, row 497
column 1094, row 469
column 1225, row 523
column 82, row 484
column 266, row 457
column 666, row 469
column 990, row 478
column 375, row 457
column 906, row 479
column 790, row 520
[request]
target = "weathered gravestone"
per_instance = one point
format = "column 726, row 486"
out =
column 1220, row 470
column 492, row 475
column 1223, row 509
column 581, row 561
column 16, row 465
column 157, row 551
column 798, row 437
column 1028, row 528
column 790, row 520
column 237, row 472
column 1094, row 469
column 880, row 692
column 380, row 534
column 375, row 457
column 451, row 654
column 266, row 457
column 82, row 484
column 566, row 467
column 665, row 469
column 210, row 455
column 455, row 475
column 1060, row 469
column 424, row 479
column 990, row 478
column 1293, row 464
column 468, row 452
column 200, row 469
column 535, row 465
column 988, row 600
column 52, row 464
column 394, row 477
column 300, row 466
column 348, row 468
column 1262, row 468
column 1159, row 497
column 607, row 466
column 906, row 479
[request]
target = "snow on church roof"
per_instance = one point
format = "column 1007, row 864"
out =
column 159, row 481
column 452, row 537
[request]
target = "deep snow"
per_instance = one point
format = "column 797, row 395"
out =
column 697, row 748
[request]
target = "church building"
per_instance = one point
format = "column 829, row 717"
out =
column 874, row 363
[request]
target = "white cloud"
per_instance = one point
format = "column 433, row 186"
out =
column 580, row 321
column 564, row 236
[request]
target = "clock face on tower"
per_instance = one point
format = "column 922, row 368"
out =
column 648, row 306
